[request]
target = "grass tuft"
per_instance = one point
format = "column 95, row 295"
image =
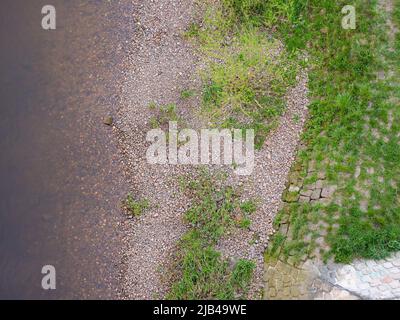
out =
column 135, row 208
column 247, row 73
column 202, row 272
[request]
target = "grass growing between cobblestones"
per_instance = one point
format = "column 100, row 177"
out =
column 352, row 138
column 200, row 272
column 247, row 73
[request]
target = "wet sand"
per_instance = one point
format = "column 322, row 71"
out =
column 61, row 178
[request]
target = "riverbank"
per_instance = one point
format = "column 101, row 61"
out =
column 165, row 82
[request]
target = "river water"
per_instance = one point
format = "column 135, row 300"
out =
column 61, row 181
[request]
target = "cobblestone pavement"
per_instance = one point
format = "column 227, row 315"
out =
column 312, row 279
column 362, row 279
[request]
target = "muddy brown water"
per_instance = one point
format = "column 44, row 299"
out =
column 61, row 182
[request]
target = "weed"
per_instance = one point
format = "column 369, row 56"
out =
column 135, row 208
column 164, row 114
column 186, row 94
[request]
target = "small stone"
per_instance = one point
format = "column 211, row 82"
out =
column 371, row 170
column 283, row 229
column 383, row 288
column 108, row 120
column 316, row 194
column 328, row 192
column 363, row 286
column 321, row 175
column 319, row 184
column 306, row 193
column 304, row 199
column 295, row 292
column 375, row 282
column 294, row 188
column 324, row 201
column 311, row 166
column 366, row 278
column 320, row 241
column 387, row 279
column 357, row 172
column 396, row 262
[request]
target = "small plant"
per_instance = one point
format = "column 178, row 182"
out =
column 244, row 223
column 152, row 105
column 296, row 118
column 186, row 94
column 154, row 123
column 192, row 31
column 164, row 114
column 248, row 206
column 135, row 208
column 242, row 274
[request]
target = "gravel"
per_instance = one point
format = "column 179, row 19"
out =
column 267, row 183
column 158, row 68
column 159, row 65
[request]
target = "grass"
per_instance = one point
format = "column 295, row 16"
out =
column 353, row 127
column 163, row 115
column 200, row 272
column 351, row 137
column 247, row 73
column 186, row 94
column 135, row 208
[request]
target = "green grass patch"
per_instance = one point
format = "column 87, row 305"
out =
column 163, row 115
column 199, row 271
column 247, row 73
column 186, row 94
column 353, row 125
column 135, row 208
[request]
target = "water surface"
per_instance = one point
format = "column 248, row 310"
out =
column 61, row 181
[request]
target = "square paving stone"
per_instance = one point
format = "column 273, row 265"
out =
column 306, row 193
column 304, row 199
column 316, row 194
